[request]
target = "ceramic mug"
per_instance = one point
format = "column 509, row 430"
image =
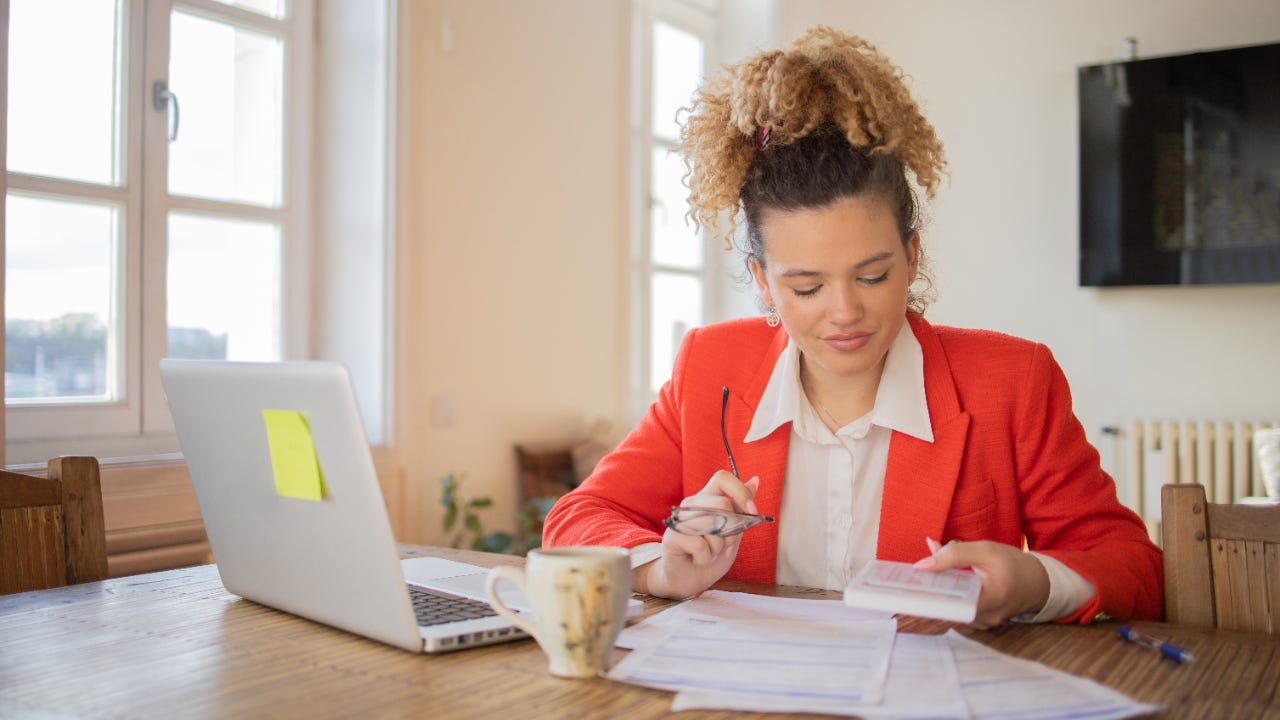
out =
column 579, row 600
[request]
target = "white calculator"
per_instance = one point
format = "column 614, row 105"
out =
column 899, row 587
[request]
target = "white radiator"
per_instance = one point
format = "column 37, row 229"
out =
column 1218, row 455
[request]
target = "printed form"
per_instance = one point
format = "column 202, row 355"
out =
column 737, row 651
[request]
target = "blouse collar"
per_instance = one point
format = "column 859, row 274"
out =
column 900, row 403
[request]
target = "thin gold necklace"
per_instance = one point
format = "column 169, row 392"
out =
column 814, row 398
column 833, row 419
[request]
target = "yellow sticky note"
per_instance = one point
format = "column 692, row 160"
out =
column 293, row 455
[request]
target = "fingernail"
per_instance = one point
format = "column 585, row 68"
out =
column 934, row 545
column 751, row 507
column 925, row 563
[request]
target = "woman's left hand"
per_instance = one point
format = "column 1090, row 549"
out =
column 1013, row 582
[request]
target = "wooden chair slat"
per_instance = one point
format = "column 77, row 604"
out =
column 1271, row 573
column 1254, row 570
column 32, row 556
column 1224, row 607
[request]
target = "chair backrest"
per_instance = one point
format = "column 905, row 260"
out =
column 51, row 528
column 1221, row 562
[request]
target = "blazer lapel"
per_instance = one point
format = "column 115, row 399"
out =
column 766, row 458
column 921, row 477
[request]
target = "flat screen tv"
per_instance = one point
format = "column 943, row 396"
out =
column 1180, row 169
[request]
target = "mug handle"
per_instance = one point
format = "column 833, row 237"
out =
column 514, row 575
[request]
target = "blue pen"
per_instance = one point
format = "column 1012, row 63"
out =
column 1167, row 649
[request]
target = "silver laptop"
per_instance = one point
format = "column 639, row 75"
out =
column 332, row 560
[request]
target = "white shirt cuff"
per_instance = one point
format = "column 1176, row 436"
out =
column 1068, row 592
column 645, row 553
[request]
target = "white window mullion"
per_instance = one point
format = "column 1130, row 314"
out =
column 154, row 211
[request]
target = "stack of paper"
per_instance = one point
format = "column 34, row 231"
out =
column 749, row 652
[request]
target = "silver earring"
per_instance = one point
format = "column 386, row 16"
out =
column 772, row 318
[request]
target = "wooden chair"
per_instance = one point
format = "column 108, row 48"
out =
column 1221, row 562
column 51, row 529
column 545, row 473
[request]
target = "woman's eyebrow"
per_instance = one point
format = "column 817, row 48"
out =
column 874, row 259
column 801, row 273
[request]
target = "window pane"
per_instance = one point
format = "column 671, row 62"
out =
column 675, row 306
column 59, row 300
column 223, row 289
column 274, row 8
column 675, row 242
column 64, row 113
column 229, row 84
column 678, row 59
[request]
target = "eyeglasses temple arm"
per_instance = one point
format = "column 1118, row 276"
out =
column 724, row 406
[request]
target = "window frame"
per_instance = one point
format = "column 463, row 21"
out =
column 698, row 18
column 138, row 422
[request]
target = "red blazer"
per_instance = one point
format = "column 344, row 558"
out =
column 1009, row 462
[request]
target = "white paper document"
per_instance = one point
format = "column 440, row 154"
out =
column 996, row 685
column 735, row 651
column 744, row 606
column 771, row 660
column 922, row 683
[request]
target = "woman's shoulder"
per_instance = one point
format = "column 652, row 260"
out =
column 981, row 340
column 987, row 353
column 742, row 332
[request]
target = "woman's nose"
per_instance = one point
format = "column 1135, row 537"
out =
column 846, row 305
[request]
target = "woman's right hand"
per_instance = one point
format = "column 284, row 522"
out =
column 692, row 563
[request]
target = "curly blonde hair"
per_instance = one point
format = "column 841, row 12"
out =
column 839, row 121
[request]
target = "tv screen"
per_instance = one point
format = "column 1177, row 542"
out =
column 1180, row 169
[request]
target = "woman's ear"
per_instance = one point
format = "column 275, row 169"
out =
column 762, row 283
column 913, row 257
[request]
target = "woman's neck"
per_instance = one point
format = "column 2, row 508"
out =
column 838, row 400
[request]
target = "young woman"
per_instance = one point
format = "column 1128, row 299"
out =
column 865, row 430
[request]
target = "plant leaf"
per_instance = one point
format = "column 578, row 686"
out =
column 497, row 542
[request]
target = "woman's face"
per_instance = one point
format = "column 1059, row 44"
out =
column 838, row 277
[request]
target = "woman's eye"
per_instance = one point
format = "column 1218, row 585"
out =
column 806, row 292
column 875, row 280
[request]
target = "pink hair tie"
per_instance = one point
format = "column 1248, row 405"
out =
column 762, row 136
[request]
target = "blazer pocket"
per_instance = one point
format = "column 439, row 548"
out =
column 972, row 512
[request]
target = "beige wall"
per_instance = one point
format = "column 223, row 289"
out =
column 998, row 80
column 510, row 257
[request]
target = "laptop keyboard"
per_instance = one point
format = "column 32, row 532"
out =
column 435, row 608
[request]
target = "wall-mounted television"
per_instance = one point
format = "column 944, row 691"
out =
column 1180, row 169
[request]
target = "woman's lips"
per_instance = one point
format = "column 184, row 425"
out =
column 847, row 342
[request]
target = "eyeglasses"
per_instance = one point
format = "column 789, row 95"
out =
column 724, row 406
column 691, row 520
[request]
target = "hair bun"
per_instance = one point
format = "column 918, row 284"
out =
column 825, row 77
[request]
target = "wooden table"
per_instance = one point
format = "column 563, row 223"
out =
column 176, row 644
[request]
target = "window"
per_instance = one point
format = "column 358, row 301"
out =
column 156, row 159
column 674, row 278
